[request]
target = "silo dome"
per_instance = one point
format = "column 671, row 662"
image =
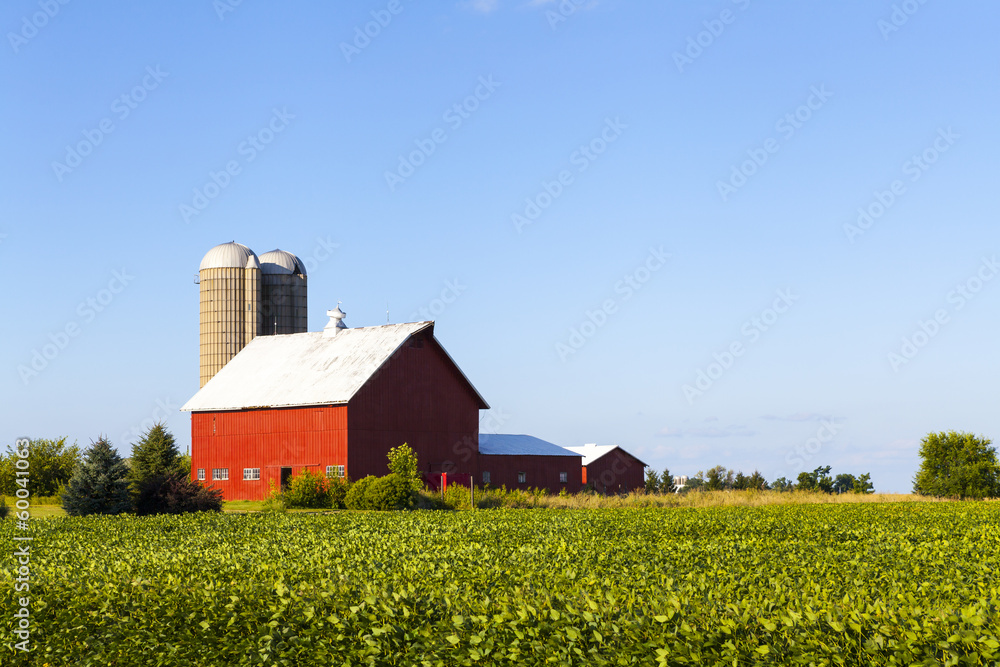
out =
column 279, row 261
column 228, row 256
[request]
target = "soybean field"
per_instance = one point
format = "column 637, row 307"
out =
column 841, row 584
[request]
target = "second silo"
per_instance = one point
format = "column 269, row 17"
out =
column 283, row 294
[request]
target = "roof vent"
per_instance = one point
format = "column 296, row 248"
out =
column 336, row 322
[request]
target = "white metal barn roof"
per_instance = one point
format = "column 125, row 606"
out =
column 500, row 444
column 304, row 369
column 592, row 452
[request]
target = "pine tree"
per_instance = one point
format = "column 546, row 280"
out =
column 100, row 483
column 667, row 482
column 652, row 481
column 155, row 455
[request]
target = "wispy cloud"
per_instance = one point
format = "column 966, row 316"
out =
column 798, row 417
column 483, row 6
column 732, row 431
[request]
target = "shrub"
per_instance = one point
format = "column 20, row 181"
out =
column 308, row 489
column 391, row 492
column 176, row 494
column 51, row 463
column 403, row 463
column 338, row 488
column 100, row 483
column 357, row 495
column 4, row 510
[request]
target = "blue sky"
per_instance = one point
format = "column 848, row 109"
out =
column 625, row 192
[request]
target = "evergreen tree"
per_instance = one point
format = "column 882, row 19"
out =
column 667, row 482
column 652, row 481
column 100, row 483
column 757, row 482
column 154, row 456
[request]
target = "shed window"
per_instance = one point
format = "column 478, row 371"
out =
column 201, row 474
column 251, row 473
column 522, row 478
column 486, row 477
column 335, row 471
column 563, row 477
column 220, row 473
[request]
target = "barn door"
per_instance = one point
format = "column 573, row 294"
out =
column 286, row 475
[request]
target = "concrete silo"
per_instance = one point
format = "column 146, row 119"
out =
column 230, row 279
column 283, row 294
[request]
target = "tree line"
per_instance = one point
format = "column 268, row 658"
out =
column 721, row 479
column 155, row 480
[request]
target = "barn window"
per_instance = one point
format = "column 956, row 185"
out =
column 335, row 471
column 220, row 473
column 486, row 477
column 563, row 477
column 201, row 474
column 522, row 478
column 251, row 474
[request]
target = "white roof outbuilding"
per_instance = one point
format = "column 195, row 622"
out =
column 591, row 452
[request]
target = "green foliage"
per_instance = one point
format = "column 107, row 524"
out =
column 957, row 465
column 696, row 483
column 783, row 485
column 100, row 484
column 863, row 484
column 4, row 509
column 838, row 584
column 652, row 481
column 667, row 482
column 175, row 493
column 338, row 487
column 756, row 481
column 403, row 463
column 817, row 480
column 357, row 497
column 308, row 490
column 844, row 483
column 718, row 479
column 50, row 465
column 154, row 456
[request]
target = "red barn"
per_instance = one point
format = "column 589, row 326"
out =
column 526, row 462
column 333, row 402
column 610, row 469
